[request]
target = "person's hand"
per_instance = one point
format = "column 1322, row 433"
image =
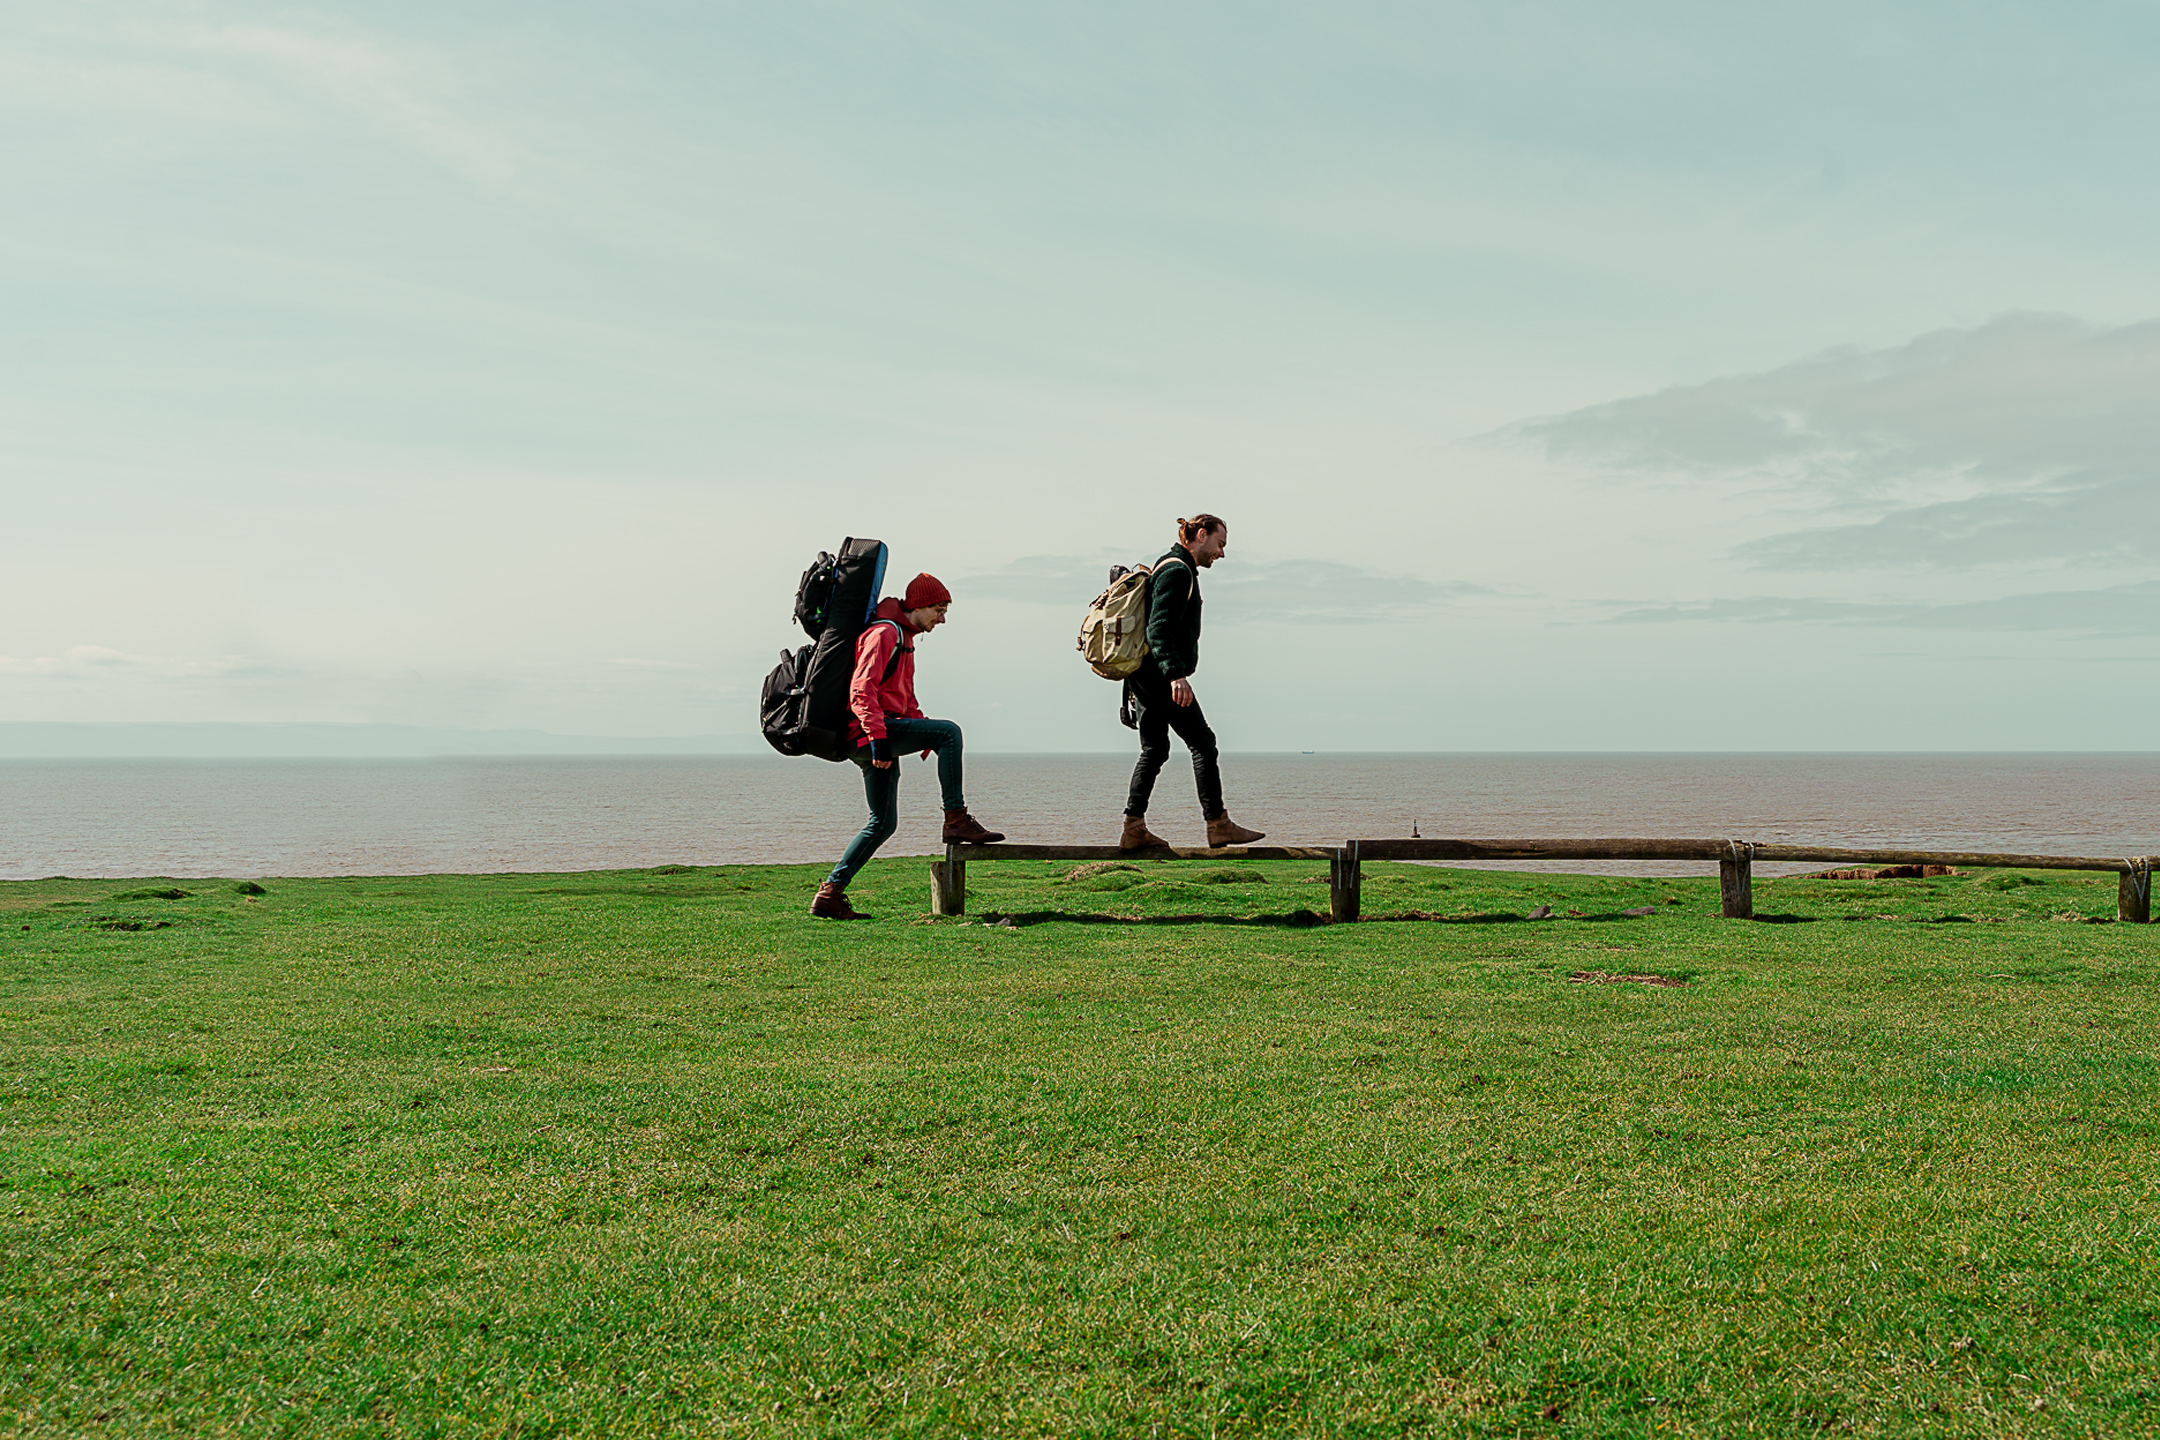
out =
column 884, row 764
column 1181, row 691
column 881, row 754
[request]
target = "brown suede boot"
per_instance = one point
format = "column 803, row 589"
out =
column 831, row 904
column 1222, row 830
column 962, row 828
column 1138, row 837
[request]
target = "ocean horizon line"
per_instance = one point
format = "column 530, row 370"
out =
column 33, row 741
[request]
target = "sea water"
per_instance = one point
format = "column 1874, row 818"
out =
column 201, row 818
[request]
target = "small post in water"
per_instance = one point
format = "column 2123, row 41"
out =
column 948, row 884
column 1345, row 881
column 1736, row 880
column 2133, row 897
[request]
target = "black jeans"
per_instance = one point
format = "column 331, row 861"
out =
column 1159, row 715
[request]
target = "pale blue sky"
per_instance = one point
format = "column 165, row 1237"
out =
column 1574, row 376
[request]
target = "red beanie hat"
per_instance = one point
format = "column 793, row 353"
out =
column 925, row 592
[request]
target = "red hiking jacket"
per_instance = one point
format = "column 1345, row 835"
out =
column 873, row 694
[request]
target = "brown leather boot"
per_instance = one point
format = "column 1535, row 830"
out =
column 831, row 904
column 1222, row 830
column 1138, row 837
column 962, row 828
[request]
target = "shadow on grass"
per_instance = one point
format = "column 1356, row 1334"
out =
column 1296, row 918
column 1489, row 917
column 1302, row 918
column 1509, row 917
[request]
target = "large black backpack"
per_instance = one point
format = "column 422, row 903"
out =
column 803, row 710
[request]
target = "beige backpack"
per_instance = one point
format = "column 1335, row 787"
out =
column 1113, row 638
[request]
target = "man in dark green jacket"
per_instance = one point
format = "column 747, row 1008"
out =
column 1161, row 689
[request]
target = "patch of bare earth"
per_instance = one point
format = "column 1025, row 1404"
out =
column 1100, row 867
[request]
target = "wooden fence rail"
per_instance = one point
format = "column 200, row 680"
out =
column 1735, row 860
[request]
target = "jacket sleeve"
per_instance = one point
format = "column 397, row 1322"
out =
column 872, row 650
column 1167, row 593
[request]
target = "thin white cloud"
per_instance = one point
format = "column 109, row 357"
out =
column 397, row 88
column 2032, row 439
column 86, row 661
column 2081, row 519
column 2117, row 610
column 194, row 69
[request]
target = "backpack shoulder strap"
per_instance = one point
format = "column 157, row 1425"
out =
column 900, row 647
column 1192, row 580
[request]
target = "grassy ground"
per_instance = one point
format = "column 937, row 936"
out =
column 656, row 1153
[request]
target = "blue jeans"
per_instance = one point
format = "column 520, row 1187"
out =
column 882, row 787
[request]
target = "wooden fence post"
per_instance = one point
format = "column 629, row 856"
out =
column 1345, row 882
column 948, row 885
column 2133, row 897
column 1736, row 880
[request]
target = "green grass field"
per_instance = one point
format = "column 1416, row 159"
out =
column 655, row 1153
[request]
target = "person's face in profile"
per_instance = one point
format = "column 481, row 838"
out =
column 1210, row 546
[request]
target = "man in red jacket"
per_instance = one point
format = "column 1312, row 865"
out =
column 885, row 723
